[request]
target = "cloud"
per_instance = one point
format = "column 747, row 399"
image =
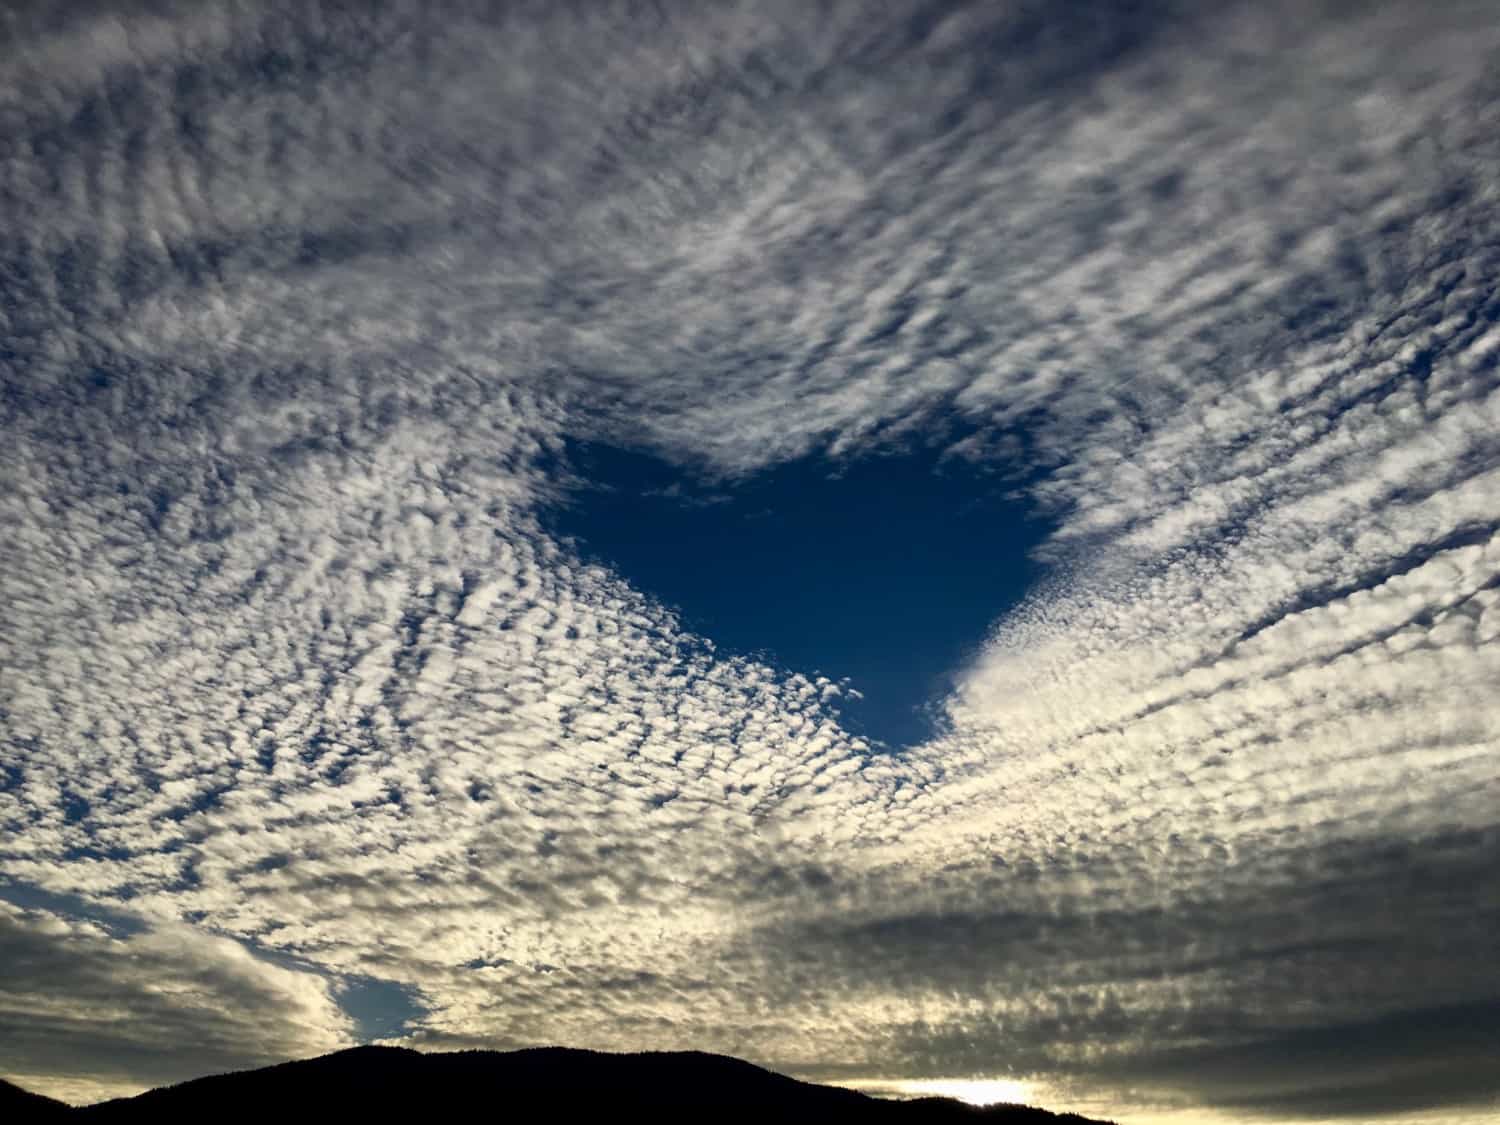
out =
column 89, row 1014
column 1415, row 1060
column 305, row 309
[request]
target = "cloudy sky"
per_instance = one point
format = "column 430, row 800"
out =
column 901, row 541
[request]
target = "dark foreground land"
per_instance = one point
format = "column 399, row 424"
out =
column 374, row 1084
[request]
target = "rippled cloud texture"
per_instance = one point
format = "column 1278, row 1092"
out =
column 301, row 304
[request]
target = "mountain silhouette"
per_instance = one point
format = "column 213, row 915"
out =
column 375, row 1084
column 17, row 1104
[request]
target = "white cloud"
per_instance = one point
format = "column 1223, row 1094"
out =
column 305, row 311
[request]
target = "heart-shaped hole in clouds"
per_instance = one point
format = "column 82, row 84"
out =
column 887, row 570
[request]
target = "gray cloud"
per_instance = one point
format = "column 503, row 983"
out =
column 302, row 307
column 1412, row 1060
column 85, row 1010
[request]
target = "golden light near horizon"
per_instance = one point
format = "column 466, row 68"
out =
column 974, row 1091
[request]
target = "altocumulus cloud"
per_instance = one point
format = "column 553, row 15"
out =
column 302, row 308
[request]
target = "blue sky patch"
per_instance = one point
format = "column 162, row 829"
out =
column 886, row 570
column 380, row 1009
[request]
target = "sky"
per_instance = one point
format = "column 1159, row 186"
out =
column 909, row 543
column 943, row 547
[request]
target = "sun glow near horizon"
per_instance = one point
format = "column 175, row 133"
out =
column 974, row 1091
